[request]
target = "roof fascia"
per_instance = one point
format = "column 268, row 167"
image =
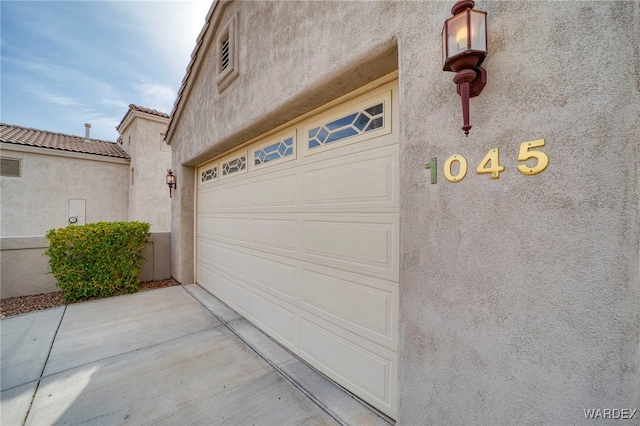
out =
column 6, row 146
column 133, row 114
column 204, row 40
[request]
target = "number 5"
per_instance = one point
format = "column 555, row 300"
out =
column 542, row 159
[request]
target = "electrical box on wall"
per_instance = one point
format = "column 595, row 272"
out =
column 77, row 209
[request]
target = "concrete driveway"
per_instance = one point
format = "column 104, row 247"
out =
column 174, row 356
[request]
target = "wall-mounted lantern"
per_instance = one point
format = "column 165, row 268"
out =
column 171, row 181
column 464, row 47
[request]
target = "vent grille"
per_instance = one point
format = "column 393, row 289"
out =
column 9, row 167
column 225, row 55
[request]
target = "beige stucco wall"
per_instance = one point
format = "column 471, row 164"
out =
column 143, row 139
column 24, row 269
column 520, row 296
column 39, row 199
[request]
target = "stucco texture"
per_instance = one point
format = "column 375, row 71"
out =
column 519, row 296
column 142, row 139
column 38, row 200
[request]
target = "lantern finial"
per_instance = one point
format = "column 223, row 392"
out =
column 462, row 5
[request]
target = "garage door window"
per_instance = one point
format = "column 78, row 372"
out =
column 275, row 151
column 209, row 174
column 235, row 165
column 363, row 120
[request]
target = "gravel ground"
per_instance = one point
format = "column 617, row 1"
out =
column 23, row 304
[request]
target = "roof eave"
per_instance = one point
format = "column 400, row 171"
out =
column 193, row 68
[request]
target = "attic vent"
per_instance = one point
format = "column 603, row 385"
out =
column 225, row 55
column 227, row 52
column 9, row 167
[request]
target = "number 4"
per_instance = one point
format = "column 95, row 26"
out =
column 542, row 159
column 495, row 168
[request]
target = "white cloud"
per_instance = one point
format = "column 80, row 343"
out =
column 169, row 27
column 114, row 102
column 67, row 63
column 47, row 96
column 157, row 96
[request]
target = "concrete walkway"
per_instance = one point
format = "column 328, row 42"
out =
column 174, row 356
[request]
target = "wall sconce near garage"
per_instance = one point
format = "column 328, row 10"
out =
column 171, row 181
column 464, row 47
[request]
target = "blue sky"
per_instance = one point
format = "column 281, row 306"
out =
column 66, row 63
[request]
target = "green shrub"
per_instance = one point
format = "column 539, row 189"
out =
column 97, row 259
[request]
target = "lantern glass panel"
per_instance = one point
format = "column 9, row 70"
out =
column 478, row 30
column 457, row 34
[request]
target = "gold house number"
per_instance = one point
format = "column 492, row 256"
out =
column 490, row 164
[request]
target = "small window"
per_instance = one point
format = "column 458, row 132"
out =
column 273, row 152
column 10, row 167
column 209, row 174
column 235, row 164
column 351, row 125
column 357, row 121
column 227, row 45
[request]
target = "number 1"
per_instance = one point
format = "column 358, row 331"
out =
column 433, row 165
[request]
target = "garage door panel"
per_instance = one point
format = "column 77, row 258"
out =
column 347, row 362
column 233, row 196
column 362, row 181
column 354, row 304
column 207, row 225
column 207, row 251
column 350, row 242
column 208, row 200
column 207, row 277
column 232, row 292
column 278, row 191
column 272, row 317
column 278, row 276
column 277, row 233
column 234, row 228
column 232, row 261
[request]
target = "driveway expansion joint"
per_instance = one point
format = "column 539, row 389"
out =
column 44, row 366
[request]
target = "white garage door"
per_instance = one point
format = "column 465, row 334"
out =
column 298, row 232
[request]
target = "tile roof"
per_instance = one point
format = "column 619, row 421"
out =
column 59, row 141
column 148, row 110
column 133, row 107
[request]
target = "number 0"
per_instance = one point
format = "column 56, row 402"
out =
column 461, row 173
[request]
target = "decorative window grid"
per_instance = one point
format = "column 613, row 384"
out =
column 209, row 174
column 357, row 123
column 234, row 165
column 275, row 151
